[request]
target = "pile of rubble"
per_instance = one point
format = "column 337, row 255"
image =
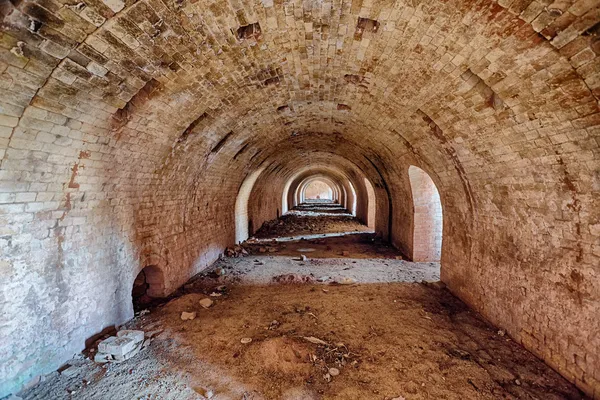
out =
column 253, row 246
column 236, row 251
column 298, row 224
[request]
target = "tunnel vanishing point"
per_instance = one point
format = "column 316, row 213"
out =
column 155, row 133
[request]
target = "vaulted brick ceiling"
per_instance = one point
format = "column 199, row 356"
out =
column 131, row 126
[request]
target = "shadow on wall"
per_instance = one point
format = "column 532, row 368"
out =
column 428, row 220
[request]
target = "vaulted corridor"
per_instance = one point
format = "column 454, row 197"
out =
column 144, row 142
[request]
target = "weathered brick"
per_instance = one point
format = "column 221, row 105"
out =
column 134, row 128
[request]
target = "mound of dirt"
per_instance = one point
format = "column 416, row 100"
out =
column 283, row 355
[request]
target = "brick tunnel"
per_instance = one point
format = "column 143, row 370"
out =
column 153, row 135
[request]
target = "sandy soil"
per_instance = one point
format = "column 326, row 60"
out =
column 388, row 341
column 396, row 340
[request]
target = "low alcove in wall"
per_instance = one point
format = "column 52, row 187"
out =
column 147, row 286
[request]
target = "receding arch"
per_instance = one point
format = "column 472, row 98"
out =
column 428, row 219
column 371, row 204
column 352, row 208
column 339, row 191
column 242, row 224
column 318, row 189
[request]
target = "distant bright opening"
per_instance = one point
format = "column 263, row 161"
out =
column 318, row 190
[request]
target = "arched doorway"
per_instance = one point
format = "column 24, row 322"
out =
column 147, row 286
column 244, row 227
column 428, row 220
column 371, row 205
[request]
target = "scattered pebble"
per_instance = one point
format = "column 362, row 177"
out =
column 206, row 302
column 246, row 340
column 314, row 340
column 185, row 316
column 334, row 371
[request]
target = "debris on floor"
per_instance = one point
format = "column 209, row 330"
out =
column 369, row 327
column 188, row 316
column 119, row 348
column 206, row 303
column 308, row 219
column 293, row 279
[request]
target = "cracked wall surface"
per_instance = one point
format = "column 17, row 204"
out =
column 128, row 127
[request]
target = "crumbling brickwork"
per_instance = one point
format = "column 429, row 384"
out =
column 128, row 126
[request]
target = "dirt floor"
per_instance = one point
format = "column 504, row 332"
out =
column 278, row 330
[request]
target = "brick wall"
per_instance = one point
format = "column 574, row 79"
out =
column 127, row 128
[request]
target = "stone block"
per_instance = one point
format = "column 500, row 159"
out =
column 117, row 346
column 136, row 336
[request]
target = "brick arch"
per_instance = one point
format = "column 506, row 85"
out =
column 153, row 264
column 428, row 219
column 351, row 179
column 371, row 205
column 319, row 188
column 154, row 279
column 242, row 227
column 337, row 187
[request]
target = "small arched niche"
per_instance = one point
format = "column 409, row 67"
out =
column 147, row 286
column 428, row 220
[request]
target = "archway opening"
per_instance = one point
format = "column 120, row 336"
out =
column 352, row 207
column 148, row 285
column 428, row 220
column 371, row 204
column 318, row 190
column 244, row 227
